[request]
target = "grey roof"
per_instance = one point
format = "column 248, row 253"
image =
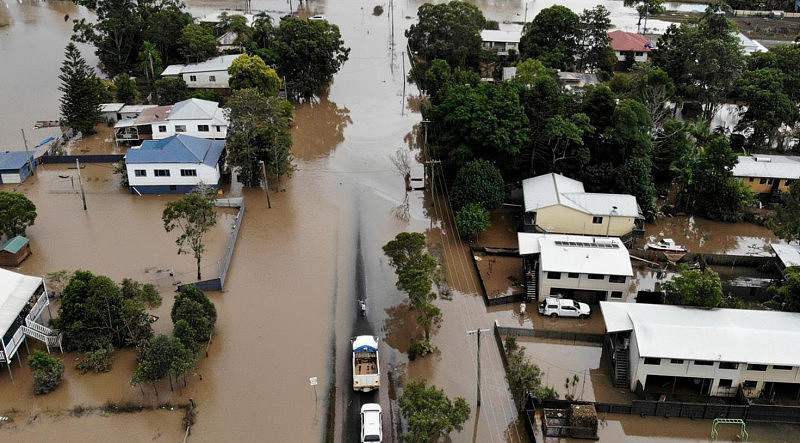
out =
column 177, row 149
column 789, row 255
column 491, row 35
column 555, row 189
column 13, row 160
column 194, row 109
column 15, row 291
column 111, row 107
column 767, row 166
column 136, row 108
column 734, row 335
column 221, row 63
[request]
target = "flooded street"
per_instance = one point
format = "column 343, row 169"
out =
column 289, row 305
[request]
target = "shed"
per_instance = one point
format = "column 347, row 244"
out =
column 14, row 166
column 110, row 111
column 15, row 251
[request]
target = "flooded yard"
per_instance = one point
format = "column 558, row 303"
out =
column 502, row 276
column 702, row 235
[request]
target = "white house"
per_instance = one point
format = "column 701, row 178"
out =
column 557, row 204
column 501, row 41
column 195, row 117
column 23, row 298
column 716, row 352
column 110, row 111
column 210, row 74
column 587, row 269
column 175, row 164
column 624, row 43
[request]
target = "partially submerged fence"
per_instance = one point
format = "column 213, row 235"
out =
column 89, row 158
column 544, row 333
column 217, row 283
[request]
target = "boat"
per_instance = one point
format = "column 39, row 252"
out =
column 666, row 245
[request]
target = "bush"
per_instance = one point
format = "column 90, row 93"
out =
column 377, row 10
column 420, row 349
column 193, row 317
column 101, row 360
column 48, row 371
column 477, row 182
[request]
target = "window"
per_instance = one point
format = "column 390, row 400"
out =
column 192, row 78
column 188, row 172
column 750, row 384
column 180, row 128
column 616, row 278
column 596, row 277
column 173, row 187
column 703, row 363
column 162, row 128
column 750, row 179
column 788, row 182
column 219, row 128
column 616, row 295
column 652, row 361
column 202, row 128
column 140, row 173
column 597, row 220
column 782, row 368
column 212, row 78
column 762, row 181
column 161, row 172
column 638, row 54
column 573, row 275
column 676, row 361
column 725, row 383
column 554, row 275
column 756, row 367
column 728, row 365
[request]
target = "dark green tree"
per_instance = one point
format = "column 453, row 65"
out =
column 127, row 92
column 448, row 31
column 197, row 314
column 48, row 371
column 161, row 357
column 252, row 72
column 150, row 62
column 786, row 297
column 193, row 216
column 594, row 42
column 768, row 106
column 307, row 53
column 259, row 131
column 440, row 78
column 16, row 213
column 562, row 142
column 694, row 287
column 170, row 90
column 80, row 104
column 471, row 220
column 197, row 43
column 552, row 37
column 786, row 223
column 524, row 377
column 671, row 148
column 477, row 182
column 430, row 414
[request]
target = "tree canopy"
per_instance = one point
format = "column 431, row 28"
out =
column 48, row 371
column 161, row 357
column 193, row 307
column 694, row 287
column 786, row 297
column 193, row 216
column 477, row 182
column 524, row 377
column 170, row 90
column 252, row 72
column 471, row 220
column 16, row 213
column 197, row 43
column 430, row 414
column 786, row 223
column 80, row 104
column 552, row 37
column 448, row 31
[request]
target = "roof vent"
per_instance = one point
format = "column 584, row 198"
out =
column 762, row 159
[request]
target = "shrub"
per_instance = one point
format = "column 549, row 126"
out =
column 377, row 10
column 48, row 371
column 101, row 360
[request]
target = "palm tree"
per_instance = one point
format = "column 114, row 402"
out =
column 149, row 60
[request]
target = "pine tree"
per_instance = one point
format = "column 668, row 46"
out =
column 80, row 104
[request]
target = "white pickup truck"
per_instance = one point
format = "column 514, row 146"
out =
column 366, row 370
column 564, row 307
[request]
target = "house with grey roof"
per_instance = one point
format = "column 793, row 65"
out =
column 210, row 74
column 195, row 117
column 765, row 173
column 554, row 203
column 177, row 164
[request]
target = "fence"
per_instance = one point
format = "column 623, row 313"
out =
column 775, row 14
column 506, row 252
column 544, row 333
column 711, row 259
column 217, row 283
column 92, row 158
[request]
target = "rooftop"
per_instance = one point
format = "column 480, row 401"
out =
column 555, row 189
column 153, row 115
column 789, row 255
column 489, row 35
column 194, row 109
column 15, row 291
column 177, row 149
column 13, row 245
column 732, row 335
column 221, row 63
column 577, row 253
column 13, row 160
column 767, row 166
column 111, row 107
column 629, row 41
column 136, row 108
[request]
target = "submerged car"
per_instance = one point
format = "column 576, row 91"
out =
column 564, row 307
column 319, row 17
column 371, row 428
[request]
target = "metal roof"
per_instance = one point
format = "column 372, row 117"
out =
column 13, row 245
column 688, row 333
column 13, row 160
column 194, row 109
column 15, row 291
column 172, row 70
column 152, row 115
column 177, row 149
column 136, row 108
column 577, row 253
column 629, row 41
column 221, row 63
column 767, row 166
column 789, row 255
column 554, row 189
column 111, row 107
column 492, row 35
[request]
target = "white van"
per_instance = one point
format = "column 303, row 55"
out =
column 371, row 428
column 564, row 307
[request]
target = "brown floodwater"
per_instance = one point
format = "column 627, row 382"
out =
column 702, row 235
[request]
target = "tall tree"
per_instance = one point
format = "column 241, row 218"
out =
column 694, row 287
column 655, row 90
column 170, row 90
column 127, row 92
column 259, row 131
column 767, row 106
column 193, row 307
column 16, row 213
column 786, row 223
column 159, row 358
column 197, row 43
column 150, row 62
column 562, row 142
column 471, row 220
column 307, row 53
column 552, row 37
column 193, row 216
column 252, row 72
column 594, row 42
column 115, row 34
column 430, row 414
column 448, row 31
column 478, row 182
column 80, row 104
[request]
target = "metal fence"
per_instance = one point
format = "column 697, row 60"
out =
column 544, row 333
column 91, row 158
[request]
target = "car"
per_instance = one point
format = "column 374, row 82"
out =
column 564, row 307
column 318, row 17
column 288, row 16
column 371, row 427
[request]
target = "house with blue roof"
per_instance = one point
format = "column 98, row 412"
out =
column 175, row 164
column 14, row 166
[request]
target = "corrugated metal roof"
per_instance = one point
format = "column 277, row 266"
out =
column 111, row 107
column 172, row 70
column 177, row 149
column 194, row 109
column 733, row 335
column 13, row 160
column 221, row 63
column 492, row 35
column 153, row 115
column 789, row 255
column 136, row 108
column 628, row 41
column 552, row 189
column 15, row 291
column 13, row 245
column 767, row 166
column 589, row 255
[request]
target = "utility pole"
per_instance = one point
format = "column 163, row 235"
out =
column 478, row 333
column 80, row 181
column 403, row 106
column 266, row 183
column 28, row 154
column 425, row 149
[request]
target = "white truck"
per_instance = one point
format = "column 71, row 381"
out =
column 366, row 370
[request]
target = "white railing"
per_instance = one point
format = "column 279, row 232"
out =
column 14, row 344
column 36, row 311
column 40, row 328
column 49, row 340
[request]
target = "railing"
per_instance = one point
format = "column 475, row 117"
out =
column 36, row 311
column 16, row 341
column 49, row 340
column 39, row 328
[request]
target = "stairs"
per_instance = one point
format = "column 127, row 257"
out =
column 50, row 337
column 621, row 368
column 532, row 283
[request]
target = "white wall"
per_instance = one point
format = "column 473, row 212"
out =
column 564, row 220
column 583, row 282
column 207, row 174
column 191, row 129
column 637, row 58
column 202, row 79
